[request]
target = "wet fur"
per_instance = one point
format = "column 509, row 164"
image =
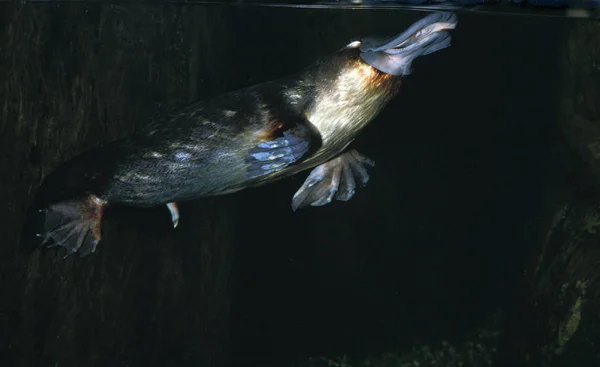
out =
column 242, row 139
column 202, row 150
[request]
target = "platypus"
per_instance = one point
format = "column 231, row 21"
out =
column 245, row 138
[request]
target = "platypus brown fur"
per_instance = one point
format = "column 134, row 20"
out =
column 246, row 138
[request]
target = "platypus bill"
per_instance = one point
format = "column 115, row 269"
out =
column 243, row 139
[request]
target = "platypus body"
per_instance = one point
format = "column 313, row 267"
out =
column 245, row 138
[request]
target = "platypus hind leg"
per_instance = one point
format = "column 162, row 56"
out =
column 74, row 224
column 333, row 179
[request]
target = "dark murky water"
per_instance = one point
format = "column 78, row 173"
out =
column 474, row 158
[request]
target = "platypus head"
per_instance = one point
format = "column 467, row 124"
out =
column 395, row 56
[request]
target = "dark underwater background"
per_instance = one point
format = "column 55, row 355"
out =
column 436, row 262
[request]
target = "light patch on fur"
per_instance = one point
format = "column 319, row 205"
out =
column 136, row 177
column 153, row 155
column 350, row 101
column 182, row 156
column 354, row 44
column 294, row 98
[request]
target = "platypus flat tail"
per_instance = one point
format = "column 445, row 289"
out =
column 74, row 224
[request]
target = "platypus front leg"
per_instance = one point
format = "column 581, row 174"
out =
column 274, row 155
column 74, row 224
column 333, row 179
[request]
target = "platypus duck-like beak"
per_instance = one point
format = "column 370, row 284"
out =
column 396, row 55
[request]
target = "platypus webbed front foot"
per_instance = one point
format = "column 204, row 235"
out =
column 335, row 179
column 273, row 155
column 74, row 224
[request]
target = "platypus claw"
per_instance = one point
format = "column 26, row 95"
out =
column 335, row 179
column 174, row 213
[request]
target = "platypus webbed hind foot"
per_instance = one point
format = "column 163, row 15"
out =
column 74, row 224
column 335, row 179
